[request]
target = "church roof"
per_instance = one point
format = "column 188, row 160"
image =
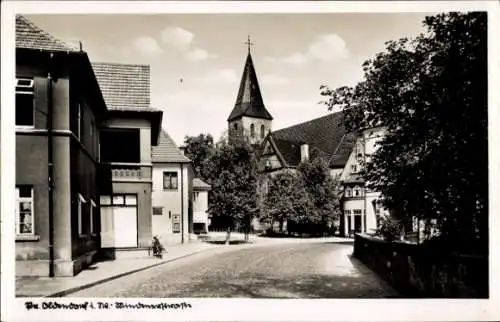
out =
column 326, row 134
column 29, row 36
column 249, row 101
column 167, row 151
column 124, row 86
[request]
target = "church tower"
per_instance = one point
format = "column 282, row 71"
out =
column 249, row 118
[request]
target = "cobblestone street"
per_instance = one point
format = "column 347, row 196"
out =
column 274, row 270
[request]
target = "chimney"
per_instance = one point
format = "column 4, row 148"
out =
column 182, row 148
column 304, row 152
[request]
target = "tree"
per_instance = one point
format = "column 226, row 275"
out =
column 323, row 191
column 198, row 149
column 234, row 186
column 430, row 93
column 286, row 199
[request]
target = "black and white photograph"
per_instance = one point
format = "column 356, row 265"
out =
column 156, row 159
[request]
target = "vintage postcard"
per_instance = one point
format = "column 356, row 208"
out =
column 244, row 161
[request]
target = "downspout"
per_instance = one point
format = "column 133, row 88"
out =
column 50, row 109
column 182, row 204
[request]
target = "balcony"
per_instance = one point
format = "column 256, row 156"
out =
column 127, row 172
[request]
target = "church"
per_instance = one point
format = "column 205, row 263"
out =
column 284, row 149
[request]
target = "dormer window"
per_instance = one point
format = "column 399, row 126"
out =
column 25, row 104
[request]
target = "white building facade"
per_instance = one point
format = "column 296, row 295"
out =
column 361, row 211
column 172, row 206
column 200, row 206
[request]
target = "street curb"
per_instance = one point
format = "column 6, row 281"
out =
column 107, row 279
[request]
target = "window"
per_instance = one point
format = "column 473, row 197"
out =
column 252, row 130
column 131, row 200
column 354, row 168
column 348, row 192
column 357, row 191
column 121, row 200
column 262, row 131
column 236, row 126
column 347, row 212
column 92, row 212
column 81, row 202
column 118, row 200
column 105, row 200
column 157, row 211
column 25, row 104
column 195, row 195
column 24, row 210
column 357, row 212
column 169, row 180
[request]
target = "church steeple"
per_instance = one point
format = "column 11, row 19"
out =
column 249, row 118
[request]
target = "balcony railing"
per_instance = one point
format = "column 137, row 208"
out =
column 123, row 171
column 126, row 172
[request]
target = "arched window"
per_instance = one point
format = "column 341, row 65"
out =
column 348, row 192
column 357, row 191
column 236, row 126
column 262, row 131
column 252, row 130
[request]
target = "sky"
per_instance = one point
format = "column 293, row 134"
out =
column 197, row 59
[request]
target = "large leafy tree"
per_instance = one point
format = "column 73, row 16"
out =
column 233, row 198
column 430, row 92
column 198, row 149
column 287, row 200
column 323, row 191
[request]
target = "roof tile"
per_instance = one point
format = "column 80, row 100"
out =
column 199, row 184
column 326, row 134
column 167, row 150
column 124, row 86
column 29, row 36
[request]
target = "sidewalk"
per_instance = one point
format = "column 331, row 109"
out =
column 101, row 272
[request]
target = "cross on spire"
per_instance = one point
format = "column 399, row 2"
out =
column 249, row 43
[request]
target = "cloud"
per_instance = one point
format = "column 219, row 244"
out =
column 147, row 45
column 271, row 79
column 326, row 48
column 184, row 41
column 296, row 58
column 177, row 37
column 198, row 54
column 226, row 75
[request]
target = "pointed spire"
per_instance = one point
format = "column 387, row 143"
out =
column 249, row 101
